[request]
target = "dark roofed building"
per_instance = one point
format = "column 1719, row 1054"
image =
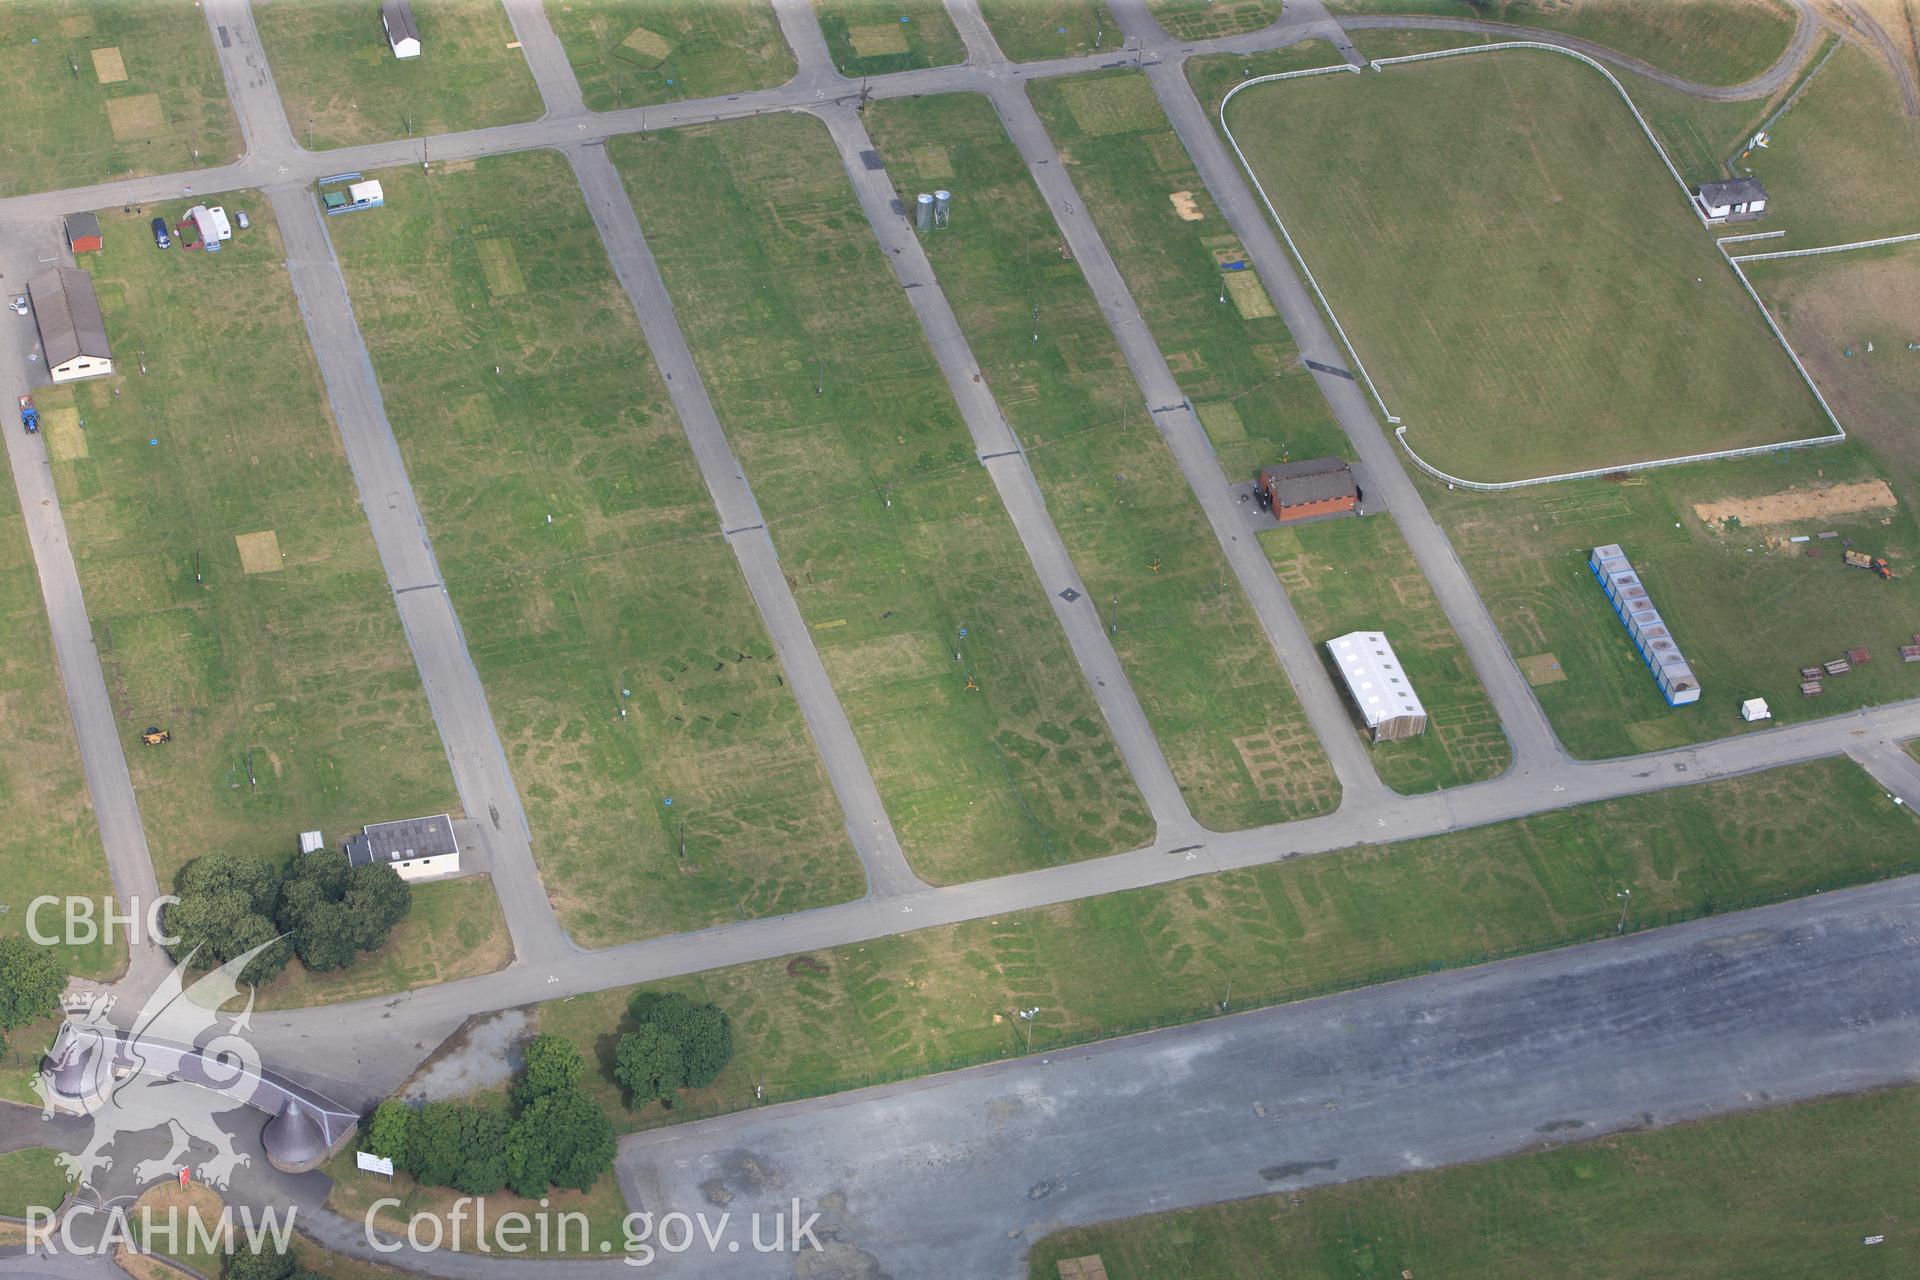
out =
column 403, row 37
column 415, row 847
column 73, row 336
column 83, row 233
column 1740, row 200
column 1316, row 487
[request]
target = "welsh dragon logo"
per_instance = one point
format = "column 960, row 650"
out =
column 128, row 1084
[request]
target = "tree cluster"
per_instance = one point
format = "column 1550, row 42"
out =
column 329, row 912
column 244, row 1264
column 556, row 1136
column 675, row 1044
column 31, row 983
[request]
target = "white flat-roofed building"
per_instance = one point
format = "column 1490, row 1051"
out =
column 417, row 848
column 1378, row 685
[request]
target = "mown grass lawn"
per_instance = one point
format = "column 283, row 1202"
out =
column 604, row 1206
column 1193, row 650
column 942, row 998
column 49, row 845
column 624, row 660
column 1205, row 19
column 1747, row 606
column 341, row 85
column 1725, row 42
column 1237, row 363
column 289, row 689
column 1795, row 1191
column 1027, row 30
column 874, row 37
column 1561, row 310
column 1358, row 575
column 29, row 1179
column 455, row 930
column 977, row 723
column 629, row 53
column 98, row 91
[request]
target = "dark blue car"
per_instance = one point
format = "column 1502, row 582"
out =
column 160, row 237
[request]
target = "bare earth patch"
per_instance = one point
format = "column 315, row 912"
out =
column 1249, row 296
column 1542, row 668
column 259, row 552
column 135, row 117
column 65, row 438
column 878, row 39
column 1800, row 504
column 647, row 44
column 1184, row 206
column 108, row 66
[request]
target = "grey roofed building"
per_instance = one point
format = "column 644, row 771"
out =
column 68, row 314
column 398, row 17
column 81, row 226
column 1736, row 191
column 403, row 841
column 292, row 1137
column 1315, row 480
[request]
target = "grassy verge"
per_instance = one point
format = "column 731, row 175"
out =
column 106, row 91
column 1612, row 1207
column 49, row 845
column 341, row 85
column 1193, row 650
column 942, row 998
column 166, row 1202
column 604, row 1207
column 1748, row 607
column 1637, row 342
column 1027, row 30
column 20, row 1060
column 874, row 37
column 1236, row 362
column 1204, row 19
column 1358, row 575
column 29, row 1178
column 668, row 775
column 1721, row 43
column 291, row 695
column 455, row 930
column 1212, row 75
column 630, row 53
column 895, row 543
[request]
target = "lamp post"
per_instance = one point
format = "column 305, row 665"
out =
column 1626, row 899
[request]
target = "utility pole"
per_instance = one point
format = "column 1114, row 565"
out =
column 1626, row 900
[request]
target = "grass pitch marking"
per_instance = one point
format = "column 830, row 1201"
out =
column 932, row 160
column 500, row 266
column 259, row 552
column 108, row 67
column 878, row 39
column 65, row 439
column 135, row 117
column 1124, row 104
column 1542, row 668
column 648, row 44
column 1222, row 422
column 1249, row 296
column 80, row 24
column 1800, row 504
column 1184, row 206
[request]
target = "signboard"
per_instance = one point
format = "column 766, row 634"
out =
column 372, row 1163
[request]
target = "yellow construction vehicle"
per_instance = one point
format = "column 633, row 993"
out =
column 155, row 735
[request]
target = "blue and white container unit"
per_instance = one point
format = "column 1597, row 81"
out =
column 1649, row 632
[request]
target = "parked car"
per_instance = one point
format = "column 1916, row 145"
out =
column 160, row 238
column 19, row 305
column 243, row 220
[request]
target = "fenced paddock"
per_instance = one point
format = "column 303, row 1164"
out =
column 1538, row 301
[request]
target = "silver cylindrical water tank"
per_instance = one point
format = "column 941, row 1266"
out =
column 923, row 212
column 942, row 207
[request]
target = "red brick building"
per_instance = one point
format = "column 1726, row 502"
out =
column 1299, row 490
column 83, row 233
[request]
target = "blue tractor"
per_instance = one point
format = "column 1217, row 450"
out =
column 29, row 416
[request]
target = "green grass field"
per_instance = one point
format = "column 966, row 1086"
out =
column 1794, row 1191
column 455, row 930
column 290, row 692
column 1027, row 30
column 1204, row 19
column 341, row 85
column 98, row 91
column 1748, row 607
column 629, row 601
column 1725, row 42
column 49, row 845
column 30, row 1178
column 1211, row 75
column 1358, row 575
column 873, row 37
column 1193, row 650
column 630, row 53
column 942, row 998
column 1561, row 310
column 890, row 531
column 353, row 1194
column 1241, row 370
column 1840, row 303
